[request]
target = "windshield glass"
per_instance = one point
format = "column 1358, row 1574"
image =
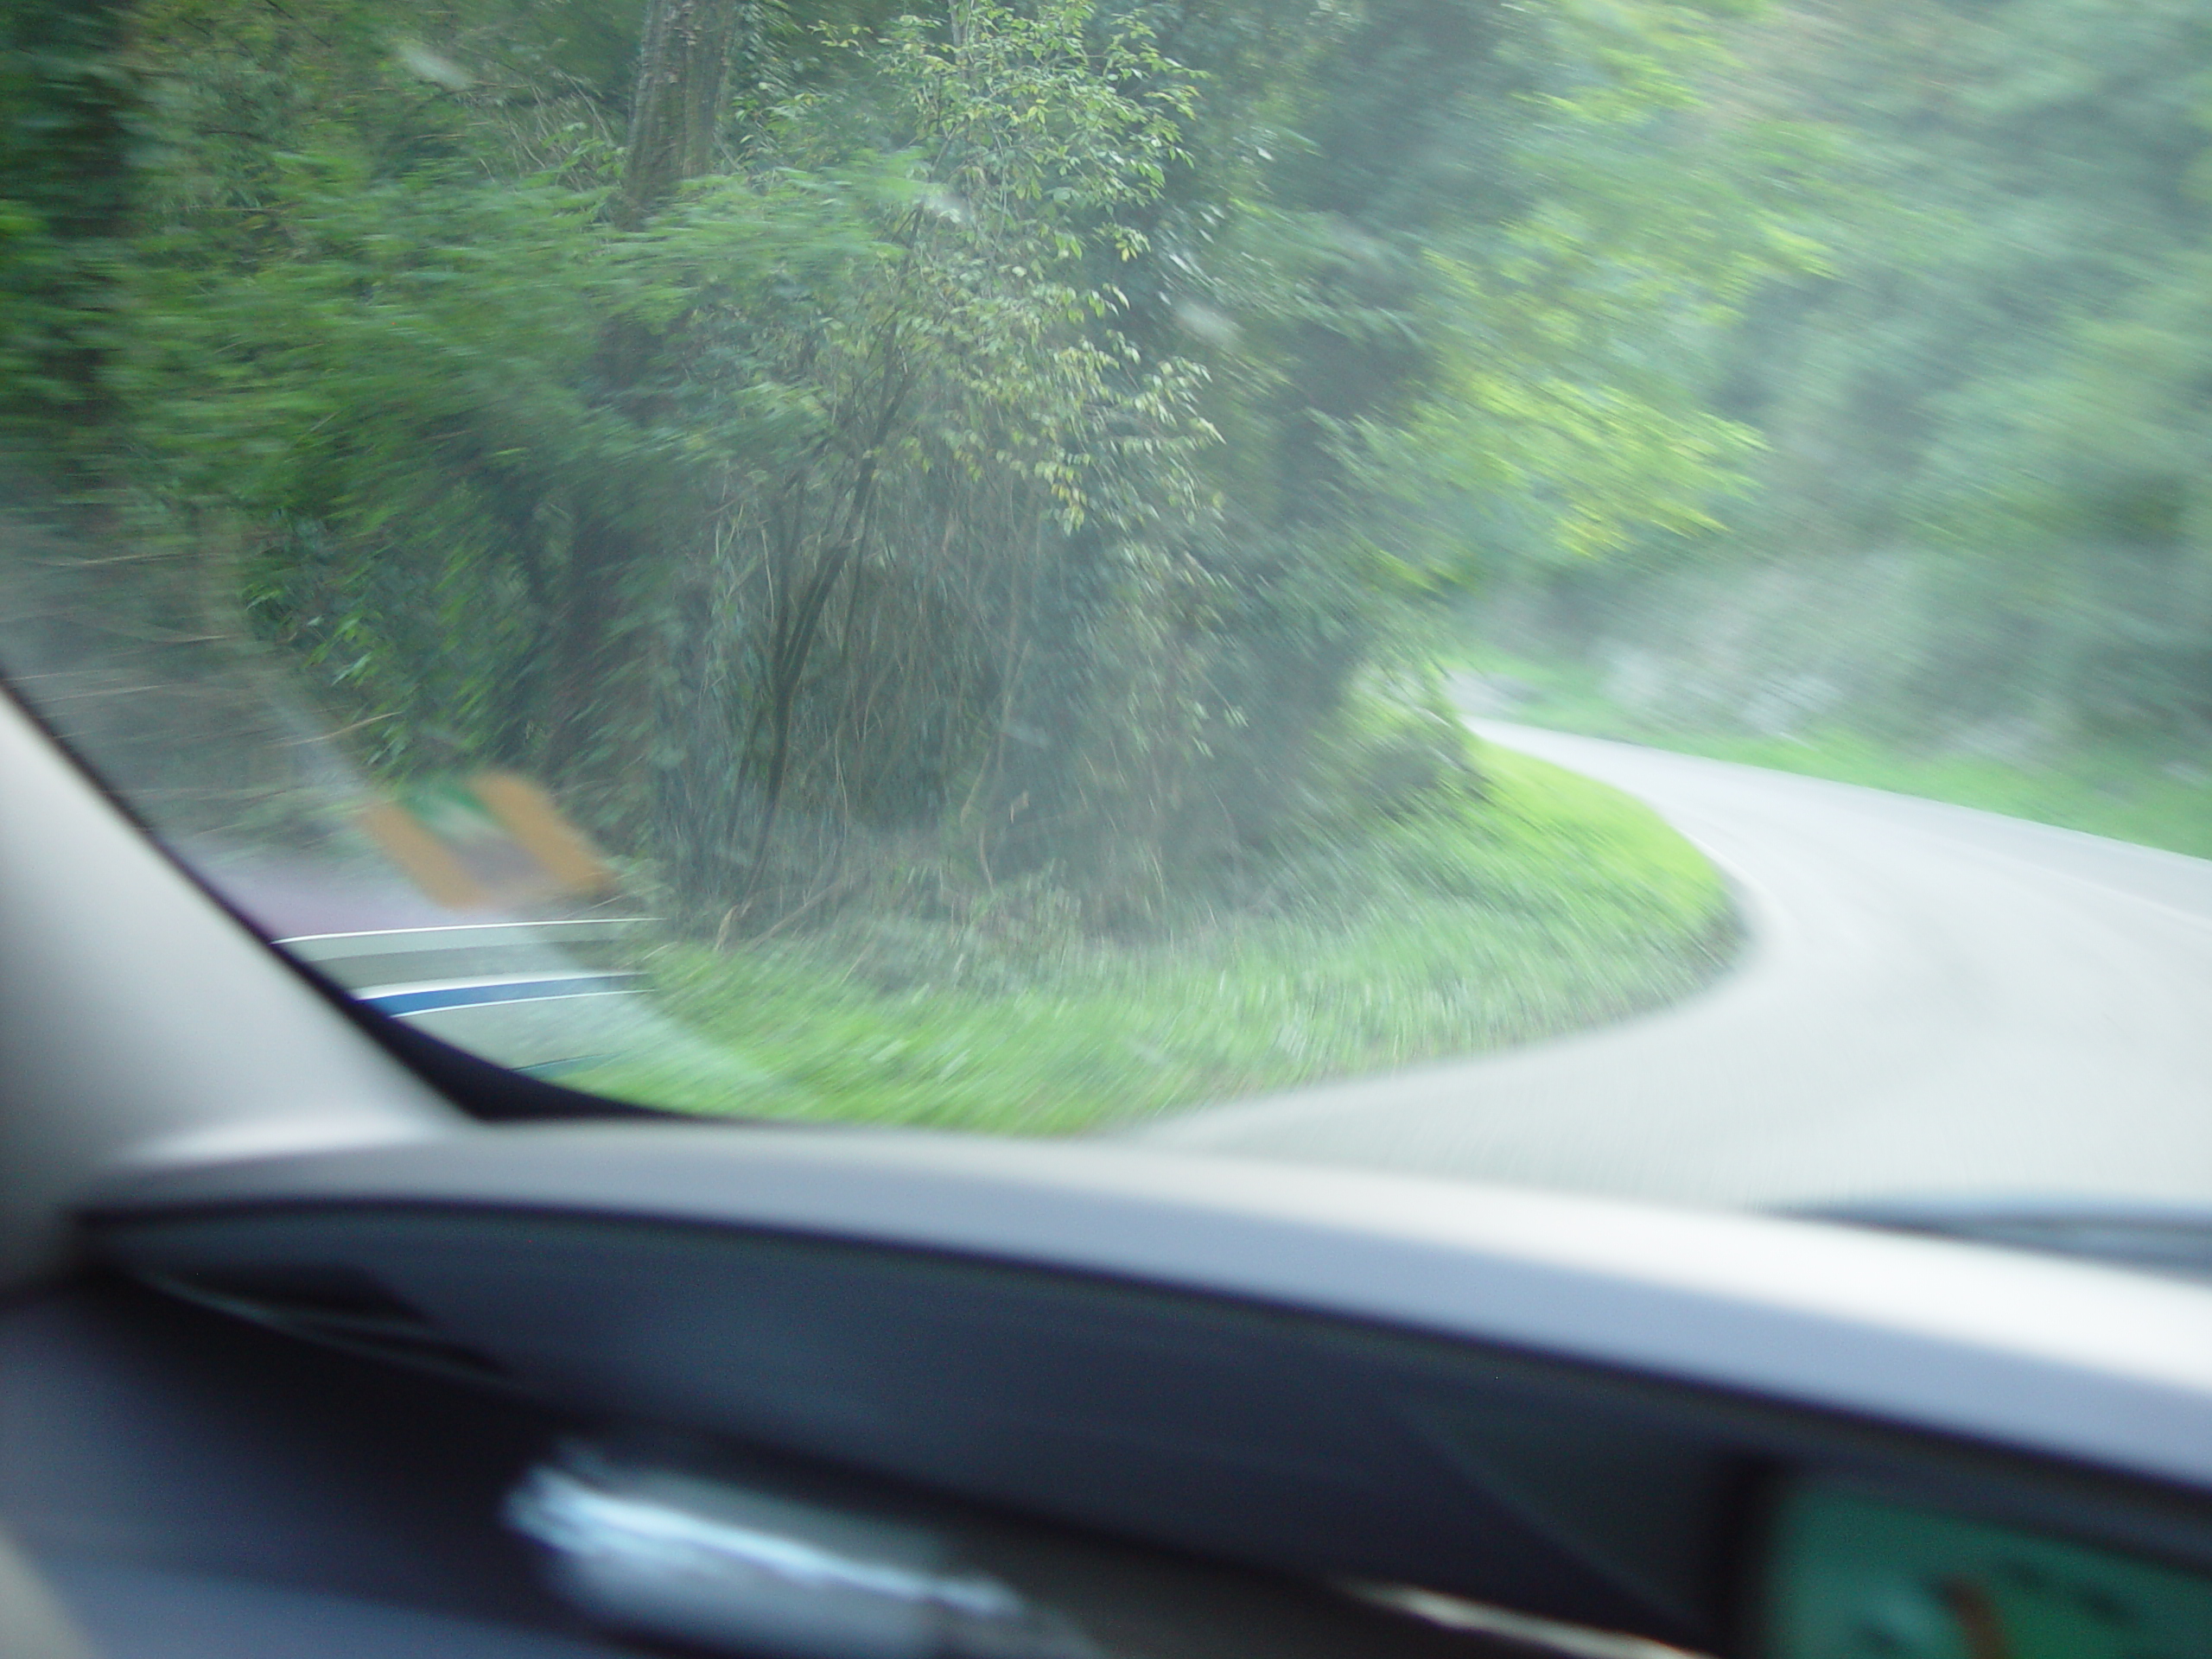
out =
column 1243, row 574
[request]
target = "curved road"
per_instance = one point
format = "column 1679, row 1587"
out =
column 1935, row 1001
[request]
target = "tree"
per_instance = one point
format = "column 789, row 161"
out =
column 983, row 440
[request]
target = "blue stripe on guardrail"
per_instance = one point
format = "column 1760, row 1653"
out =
column 425, row 999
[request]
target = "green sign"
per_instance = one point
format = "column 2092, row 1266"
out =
column 1858, row 1577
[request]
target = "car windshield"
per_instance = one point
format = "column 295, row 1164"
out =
column 1301, row 579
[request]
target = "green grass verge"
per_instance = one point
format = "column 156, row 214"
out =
column 2127, row 796
column 1547, row 903
column 2117, row 789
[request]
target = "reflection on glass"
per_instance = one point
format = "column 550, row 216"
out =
column 675, row 1555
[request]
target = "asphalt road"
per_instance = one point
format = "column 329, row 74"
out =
column 1934, row 1001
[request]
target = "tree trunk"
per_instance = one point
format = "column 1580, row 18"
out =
column 684, row 60
column 682, row 77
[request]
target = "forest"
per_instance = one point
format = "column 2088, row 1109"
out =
column 1975, row 557
column 918, row 482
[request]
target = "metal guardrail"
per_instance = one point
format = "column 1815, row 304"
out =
column 527, row 995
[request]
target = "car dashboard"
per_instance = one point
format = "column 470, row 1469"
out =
column 831, row 1395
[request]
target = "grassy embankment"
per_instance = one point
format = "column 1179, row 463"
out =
column 1529, row 903
column 2119, row 791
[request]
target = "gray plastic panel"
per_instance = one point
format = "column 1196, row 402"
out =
column 2096, row 1366
column 134, row 1012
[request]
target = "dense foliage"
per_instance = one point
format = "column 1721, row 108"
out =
column 1979, row 522
column 833, row 445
